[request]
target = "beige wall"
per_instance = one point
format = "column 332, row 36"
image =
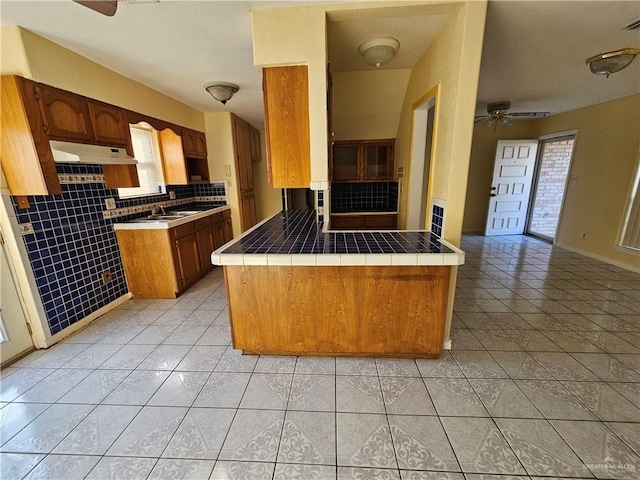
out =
column 366, row 104
column 268, row 199
column 54, row 65
column 483, row 151
column 605, row 155
column 451, row 63
column 13, row 57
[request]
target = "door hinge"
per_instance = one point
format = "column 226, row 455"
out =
column 29, row 328
column 1, row 239
column 45, row 128
column 37, row 95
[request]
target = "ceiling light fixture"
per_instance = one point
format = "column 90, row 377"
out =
column 221, row 91
column 612, row 62
column 379, row 50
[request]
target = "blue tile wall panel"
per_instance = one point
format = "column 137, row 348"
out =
column 364, row 197
column 72, row 244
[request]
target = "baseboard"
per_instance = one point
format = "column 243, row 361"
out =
column 86, row 320
column 596, row 256
column 446, row 345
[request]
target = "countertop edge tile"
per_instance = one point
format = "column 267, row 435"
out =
column 378, row 259
column 404, row 259
column 279, row 260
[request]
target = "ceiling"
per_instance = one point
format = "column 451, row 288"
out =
column 534, row 52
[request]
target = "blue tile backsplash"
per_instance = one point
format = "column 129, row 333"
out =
column 364, row 197
column 437, row 220
column 72, row 242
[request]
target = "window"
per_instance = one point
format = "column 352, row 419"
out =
column 146, row 150
column 631, row 228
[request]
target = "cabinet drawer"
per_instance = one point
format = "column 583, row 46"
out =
column 226, row 214
column 380, row 221
column 186, row 229
column 346, row 222
column 203, row 223
column 216, row 218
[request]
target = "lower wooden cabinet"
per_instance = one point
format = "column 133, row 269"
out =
column 364, row 222
column 164, row 263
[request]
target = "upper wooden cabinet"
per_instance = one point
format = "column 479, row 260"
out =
column 32, row 114
column 64, row 114
column 194, row 143
column 362, row 160
column 109, row 125
column 286, row 115
column 179, row 168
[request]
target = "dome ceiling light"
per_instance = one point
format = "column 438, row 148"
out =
column 612, row 62
column 221, row 91
column 379, row 50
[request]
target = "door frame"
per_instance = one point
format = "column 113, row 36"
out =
column 416, row 184
column 536, row 177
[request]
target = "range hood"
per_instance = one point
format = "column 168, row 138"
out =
column 80, row 153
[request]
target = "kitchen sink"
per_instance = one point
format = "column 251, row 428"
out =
column 187, row 212
column 164, row 217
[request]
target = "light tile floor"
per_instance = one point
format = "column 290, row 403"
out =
column 543, row 381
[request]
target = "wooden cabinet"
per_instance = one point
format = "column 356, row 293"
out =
column 65, row 115
column 362, row 160
column 162, row 263
column 286, row 115
column 364, row 222
column 109, row 125
column 194, row 143
column 180, row 169
column 32, row 114
column 256, row 150
column 188, row 266
column 244, row 172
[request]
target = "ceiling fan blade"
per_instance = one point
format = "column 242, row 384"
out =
column 529, row 114
column 480, row 119
column 105, row 7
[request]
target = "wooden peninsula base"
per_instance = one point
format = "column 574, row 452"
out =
column 384, row 311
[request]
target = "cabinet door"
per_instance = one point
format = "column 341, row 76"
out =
column 256, row 152
column 378, row 160
column 65, row 115
column 109, row 125
column 244, row 168
column 206, row 246
column 173, row 161
column 248, row 211
column 194, row 143
column 380, row 221
column 218, row 233
column 346, row 161
column 188, row 268
column 286, row 118
column 227, row 230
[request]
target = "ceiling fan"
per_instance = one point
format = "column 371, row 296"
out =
column 108, row 7
column 105, row 7
column 498, row 115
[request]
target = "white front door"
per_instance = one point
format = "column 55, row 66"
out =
column 511, row 187
column 15, row 338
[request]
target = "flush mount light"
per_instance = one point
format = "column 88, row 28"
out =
column 612, row 62
column 379, row 50
column 221, row 91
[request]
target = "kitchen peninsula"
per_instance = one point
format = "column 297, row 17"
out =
column 295, row 289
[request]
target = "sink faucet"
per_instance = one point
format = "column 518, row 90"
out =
column 155, row 209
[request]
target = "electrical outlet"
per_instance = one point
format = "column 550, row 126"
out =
column 106, row 276
column 172, row 195
column 110, row 203
column 228, row 182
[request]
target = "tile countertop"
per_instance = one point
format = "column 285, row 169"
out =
column 295, row 238
column 143, row 223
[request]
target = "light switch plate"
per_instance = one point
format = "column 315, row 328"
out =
column 227, row 170
column 110, row 203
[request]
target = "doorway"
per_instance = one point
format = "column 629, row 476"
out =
column 550, row 185
column 15, row 338
column 424, row 115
